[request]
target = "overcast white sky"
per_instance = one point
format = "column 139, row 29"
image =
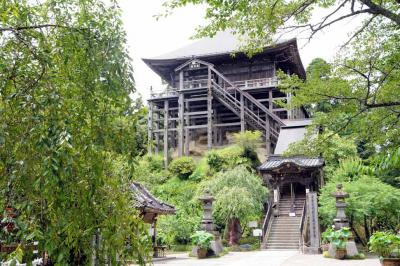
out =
column 148, row 37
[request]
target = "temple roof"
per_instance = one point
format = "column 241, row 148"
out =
column 293, row 131
column 146, row 202
column 220, row 48
column 276, row 161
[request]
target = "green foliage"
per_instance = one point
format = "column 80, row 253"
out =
column 215, row 161
column 248, row 140
column 388, row 167
column 239, row 193
column 182, row 167
column 339, row 237
column 69, row 129
column 202, row 170
column 325, row 236
column 385, row 244
column 202, row 239
column 369, row 197
column 173, row 229
column 150, row 170
column 330, row 146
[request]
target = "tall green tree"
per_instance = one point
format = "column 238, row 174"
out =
column 239, row 197
column 260, row 21
column 361, row 85
column 65, row 123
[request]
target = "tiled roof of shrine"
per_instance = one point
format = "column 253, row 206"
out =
column 275, row 161
column 146, row 202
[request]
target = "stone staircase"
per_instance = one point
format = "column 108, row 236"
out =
column 284, row 231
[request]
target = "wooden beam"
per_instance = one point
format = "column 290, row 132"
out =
column 209, row 111
column 270, row 100
column 150, row 129
column 166, row 105
column 181, row 120
column 157, row 136
column 197, row 126
column 196, row 99
column 268, row 136
column 242, row 123
column 227, row 124
column 187, row 132
column 197, row 113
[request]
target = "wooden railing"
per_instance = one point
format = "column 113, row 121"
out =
column 257, row 83
column 261, row 109
column 162, row 94
column 303, row 226
column 268, row 219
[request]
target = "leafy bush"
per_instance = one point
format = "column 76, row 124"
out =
column 182, row 167
column 215, row 161
column 202, row 170
column 325, row 236
column 385, row 244
column 176, row 229
column 248, row 140
column 150, row 170
column 339, row 237
column 202, row 239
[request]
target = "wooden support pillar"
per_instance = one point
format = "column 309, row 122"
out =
column 157, row 135
column 215, row 130
column 242, row 122
column 270, row 100
column 166, row 148
column 267, row 136
column 187, row 131
column 181, row 109
column 209, row 111
column 150, row 129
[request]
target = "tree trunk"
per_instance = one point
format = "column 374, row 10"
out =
column 366, row 228
column 235, row 231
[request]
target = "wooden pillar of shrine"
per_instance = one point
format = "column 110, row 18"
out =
column 166, row 148
column 209, row 111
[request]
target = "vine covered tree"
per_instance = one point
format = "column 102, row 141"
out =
column 68, row 129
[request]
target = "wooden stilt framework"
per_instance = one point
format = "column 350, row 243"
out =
column 207, row 103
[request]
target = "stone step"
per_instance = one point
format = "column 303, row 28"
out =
column 282, row 247
column 283, row 240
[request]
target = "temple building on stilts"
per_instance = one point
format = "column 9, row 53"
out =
column 210, row 94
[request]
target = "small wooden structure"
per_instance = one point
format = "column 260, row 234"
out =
column 150, row 208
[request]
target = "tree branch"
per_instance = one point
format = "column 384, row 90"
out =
column 377, row 9
column 20, row 28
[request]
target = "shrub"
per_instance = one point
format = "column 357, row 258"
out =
column 385, row 244
column 215, row 161
column 248, row 140
column 150, row 170
column 202, row 170
column 325, row 236
column 202, row 239
column 339, row 237
column 182, row 167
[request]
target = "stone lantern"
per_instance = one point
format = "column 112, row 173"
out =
column 341, row 220
column 207, row 223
